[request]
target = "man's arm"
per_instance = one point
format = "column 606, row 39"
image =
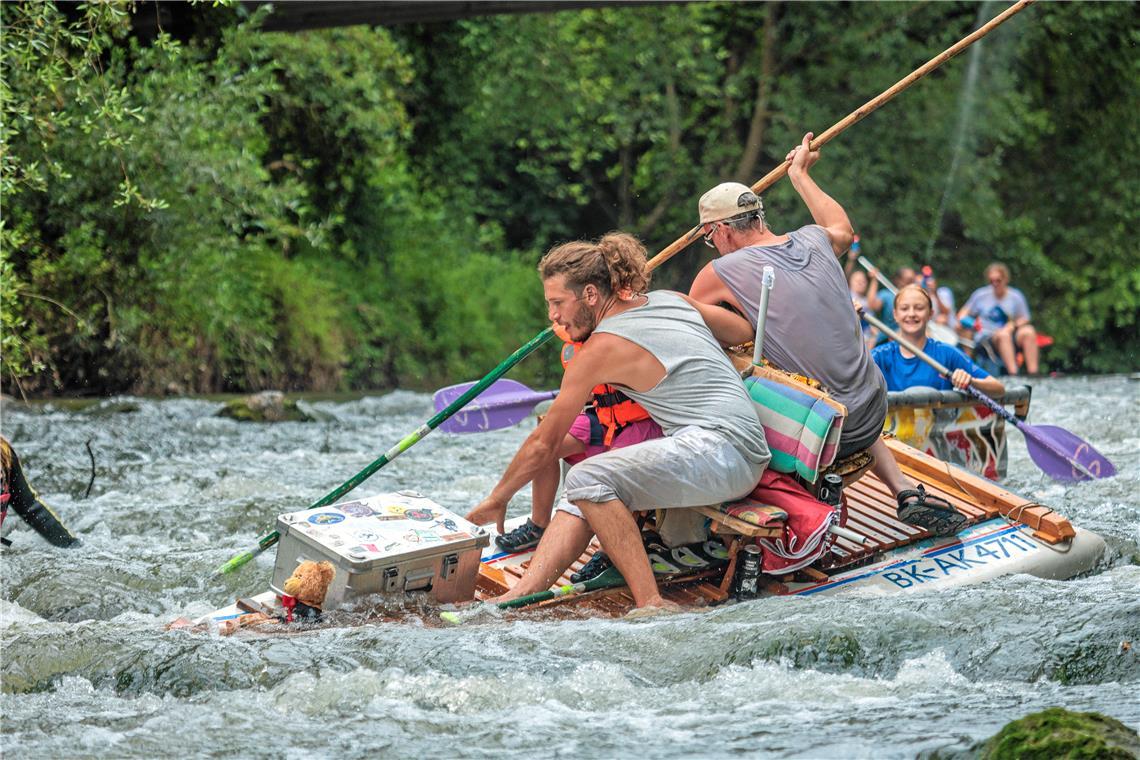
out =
column 874, row 303
column 1022, row 306
column 728, row 328
column 826, row 212
column 931, row 288
column 967, row 309
column 541, row 446
column 709, row 288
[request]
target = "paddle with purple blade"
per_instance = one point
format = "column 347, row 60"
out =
column 1060, row 454
column 505, row 403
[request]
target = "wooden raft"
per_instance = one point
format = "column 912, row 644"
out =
column 871, row 513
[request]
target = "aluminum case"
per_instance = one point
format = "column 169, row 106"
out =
column 391, row 543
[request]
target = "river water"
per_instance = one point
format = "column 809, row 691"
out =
column 88, row 670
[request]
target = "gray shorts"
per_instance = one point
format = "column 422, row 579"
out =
column 691, row 468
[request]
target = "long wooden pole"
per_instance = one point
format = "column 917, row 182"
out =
column 855, row 116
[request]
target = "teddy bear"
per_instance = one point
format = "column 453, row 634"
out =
column 307, row 586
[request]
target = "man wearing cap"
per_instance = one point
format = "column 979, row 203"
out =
column 811, row 328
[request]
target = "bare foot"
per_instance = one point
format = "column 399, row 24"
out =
column 514, row 593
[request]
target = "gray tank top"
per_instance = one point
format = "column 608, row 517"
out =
column 812, row 328
column 700, row 386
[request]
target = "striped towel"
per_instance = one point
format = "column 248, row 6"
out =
column 801, row 424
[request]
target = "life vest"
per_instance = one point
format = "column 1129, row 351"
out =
column 615, row 410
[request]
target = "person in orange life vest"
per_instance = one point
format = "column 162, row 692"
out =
column 611, row 421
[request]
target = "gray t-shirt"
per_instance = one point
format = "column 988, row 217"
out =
column 994, row 312
column 812, row 328
column 700, row 386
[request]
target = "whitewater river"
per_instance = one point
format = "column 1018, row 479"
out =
column 88, row 670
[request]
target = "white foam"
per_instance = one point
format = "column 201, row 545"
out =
column 12, row 613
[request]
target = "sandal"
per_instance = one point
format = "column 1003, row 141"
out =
column 929, row 512
column 525, row 536
column 714, row 551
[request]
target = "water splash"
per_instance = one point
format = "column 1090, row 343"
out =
column 87, row 669
column 961, row 130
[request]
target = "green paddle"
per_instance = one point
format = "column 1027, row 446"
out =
column 270, row 538
column 608, row 578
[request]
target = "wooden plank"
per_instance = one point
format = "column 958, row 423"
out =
column 815, row 575
column 1047, row 524
column 883, row 522
column 730, row 571
column 883, row 514
column 493, row 575
column 865, row 528
column 738, row 525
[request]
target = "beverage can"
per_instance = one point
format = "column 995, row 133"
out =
column 748, row 575
column 831, row 491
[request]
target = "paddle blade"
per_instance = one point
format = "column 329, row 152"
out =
column 503, row 404
column 1064, row 456
column 477, row 418
column 444, row 396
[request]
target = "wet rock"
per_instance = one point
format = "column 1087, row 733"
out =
column 267, row 406
column 1056, row 732
column 112, row 406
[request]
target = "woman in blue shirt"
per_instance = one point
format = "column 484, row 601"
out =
column 903, row 370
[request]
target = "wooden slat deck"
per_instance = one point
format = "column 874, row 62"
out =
column 871, row 513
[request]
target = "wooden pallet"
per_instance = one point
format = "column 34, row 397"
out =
column 871, row 513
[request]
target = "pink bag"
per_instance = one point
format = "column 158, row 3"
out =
column 805, row 536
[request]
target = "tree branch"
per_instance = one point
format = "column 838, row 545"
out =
column 756, row 129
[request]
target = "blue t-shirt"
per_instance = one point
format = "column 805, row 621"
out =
column 902, row 373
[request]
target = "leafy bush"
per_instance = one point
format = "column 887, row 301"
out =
column 362, row 208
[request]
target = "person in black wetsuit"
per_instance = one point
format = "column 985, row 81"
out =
column 19, row 496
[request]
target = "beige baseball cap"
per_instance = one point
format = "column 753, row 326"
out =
column 727, row 200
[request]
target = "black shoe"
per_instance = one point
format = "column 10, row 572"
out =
column 598, row 564
column 929, row 512
column 524, row 537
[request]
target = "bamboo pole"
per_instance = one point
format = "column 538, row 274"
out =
column 854, row 117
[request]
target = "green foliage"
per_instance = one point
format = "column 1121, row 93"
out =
column 240, row 224
column 364, row 208
column 570, row 124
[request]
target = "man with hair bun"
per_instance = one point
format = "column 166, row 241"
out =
column 664, row 350
column 811, row 327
